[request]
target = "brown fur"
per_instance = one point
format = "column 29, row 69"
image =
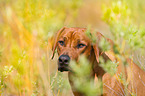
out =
column 112, row 85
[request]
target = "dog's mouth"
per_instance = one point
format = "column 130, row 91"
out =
column 63, row 68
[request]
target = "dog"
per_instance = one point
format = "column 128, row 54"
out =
column 72, row 42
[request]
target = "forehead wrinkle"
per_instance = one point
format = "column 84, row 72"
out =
column 65, row 38
column 68, row 37
column 79, row 37
column 75, row 34
column 72, row 35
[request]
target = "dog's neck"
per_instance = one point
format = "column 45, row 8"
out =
column 99, row 71
column 96, row 69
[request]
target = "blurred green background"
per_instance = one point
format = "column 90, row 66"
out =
column 26, row 31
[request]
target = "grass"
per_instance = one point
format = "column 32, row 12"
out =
column 26, row 31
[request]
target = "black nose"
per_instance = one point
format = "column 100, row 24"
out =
column 64, row 60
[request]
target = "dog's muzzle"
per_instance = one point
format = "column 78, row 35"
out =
column 63, row 63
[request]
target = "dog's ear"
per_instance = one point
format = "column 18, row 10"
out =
column 96, row 51
column 96, row 46
column 56, row 40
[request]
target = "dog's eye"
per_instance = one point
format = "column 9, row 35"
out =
column 80, row 45
column 61, row 43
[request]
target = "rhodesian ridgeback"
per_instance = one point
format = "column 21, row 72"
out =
column 71, row 42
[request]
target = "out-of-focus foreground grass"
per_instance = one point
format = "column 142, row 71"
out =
column 26, row 30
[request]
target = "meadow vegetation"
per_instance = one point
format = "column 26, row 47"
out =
column 26, row 31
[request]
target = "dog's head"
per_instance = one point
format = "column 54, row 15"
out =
column 70, row 43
